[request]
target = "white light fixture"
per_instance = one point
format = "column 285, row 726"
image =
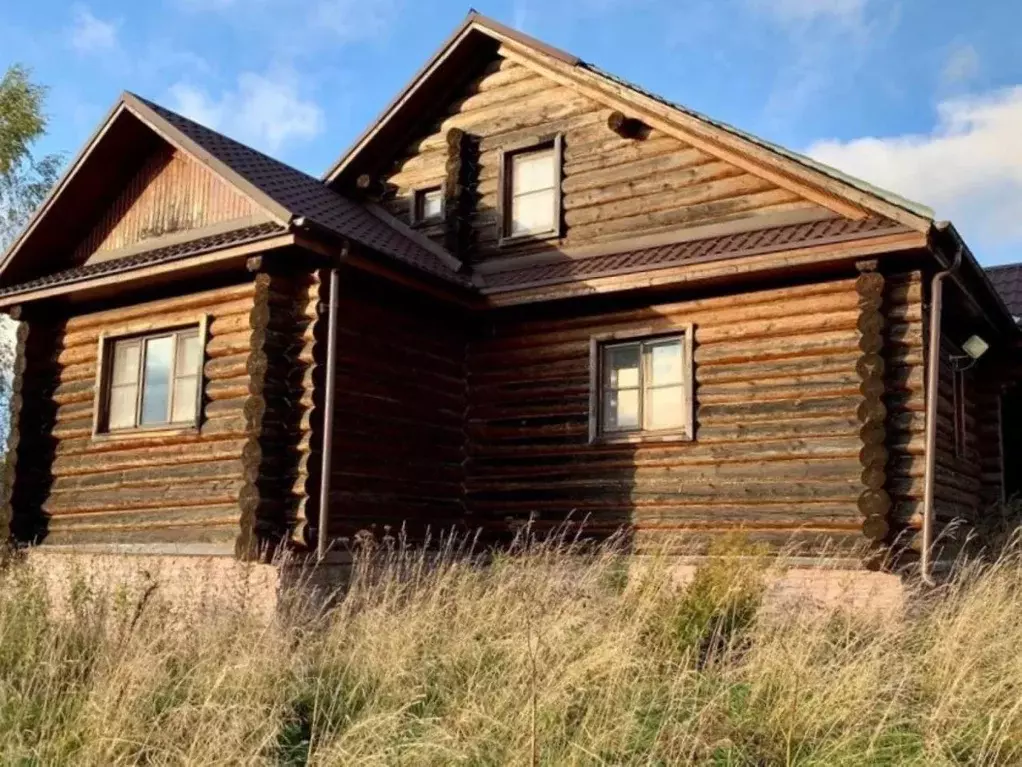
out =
column 975, row 347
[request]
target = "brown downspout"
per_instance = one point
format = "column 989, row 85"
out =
column 322, row 533
column 932, row 389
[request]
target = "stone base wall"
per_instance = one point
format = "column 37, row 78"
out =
column 187, row 583
column 201, row 581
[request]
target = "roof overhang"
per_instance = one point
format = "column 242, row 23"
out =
column 101, row 285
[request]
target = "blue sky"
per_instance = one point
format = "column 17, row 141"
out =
column 921, row 96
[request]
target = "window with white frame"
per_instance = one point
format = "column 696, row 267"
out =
column 151, row 380
column 531, row 191
column 643, row 385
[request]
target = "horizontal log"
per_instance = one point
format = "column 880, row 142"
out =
column 126, row 455
column 160, row 475
column 170, row 494
column 196, row 301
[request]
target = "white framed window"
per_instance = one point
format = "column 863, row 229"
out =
column 642, row 386
column 531, row 191
column 150, row 381
column 428, row 205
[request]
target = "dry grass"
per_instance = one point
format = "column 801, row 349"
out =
column 550, row 655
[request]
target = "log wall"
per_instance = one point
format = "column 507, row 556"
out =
column 399, row 411
column 188, row 486
column 612, row 186
column 777, row 446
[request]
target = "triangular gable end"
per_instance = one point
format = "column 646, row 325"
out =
column 138, row 183
column 171, row 195
column 799, row 176
column 615, row 187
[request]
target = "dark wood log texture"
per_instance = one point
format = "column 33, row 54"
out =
column 874, row 502
column 399, row 411
column 778, row 440
column 613, row 185
column 183, row 485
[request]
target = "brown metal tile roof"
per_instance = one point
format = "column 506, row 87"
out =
column 692, row 251
column 1007, row 281
column 150, row 257
column 302, row 195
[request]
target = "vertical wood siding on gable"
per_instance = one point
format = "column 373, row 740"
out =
column 170, row 193
column 776, row 449
column 143, row 487
column 612, row 187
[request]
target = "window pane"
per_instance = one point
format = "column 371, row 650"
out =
column 156, row 380
column 126, row 355
column 665, row 362
column 185, row 398
column 665, row 408
column 122, row 406
column 621, row 366
column 531, row 171
column 430, row 204
column 621, row 410
column 187, row 354
column 533, row 212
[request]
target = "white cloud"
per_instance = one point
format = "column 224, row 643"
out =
column 265, row 111
column 962, row 65
column 968, row 167
column 92, row 35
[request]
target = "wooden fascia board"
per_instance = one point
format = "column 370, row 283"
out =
column 716, row 270
column 141, row 274
column 176, row 138
column 58, row 188
column 787, row 174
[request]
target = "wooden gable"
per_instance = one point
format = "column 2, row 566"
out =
column 170, row 194
column 633, row 165
column 613, row 186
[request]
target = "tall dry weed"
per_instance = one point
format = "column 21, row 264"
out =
column 557, row 652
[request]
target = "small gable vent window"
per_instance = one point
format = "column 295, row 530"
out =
column 428, row 205
column 531, row 197
column 151, row 381
column 642, row 386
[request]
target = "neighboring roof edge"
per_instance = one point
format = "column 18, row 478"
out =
column 133, row 104
column 475, row 21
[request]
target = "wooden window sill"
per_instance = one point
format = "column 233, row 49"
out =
column 162, row 431
column 634, row 438
column 507, row 241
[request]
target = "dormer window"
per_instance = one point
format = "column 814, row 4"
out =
column 428, row 205
column 531, row 191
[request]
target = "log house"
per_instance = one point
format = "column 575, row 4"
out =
column 559, row 296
